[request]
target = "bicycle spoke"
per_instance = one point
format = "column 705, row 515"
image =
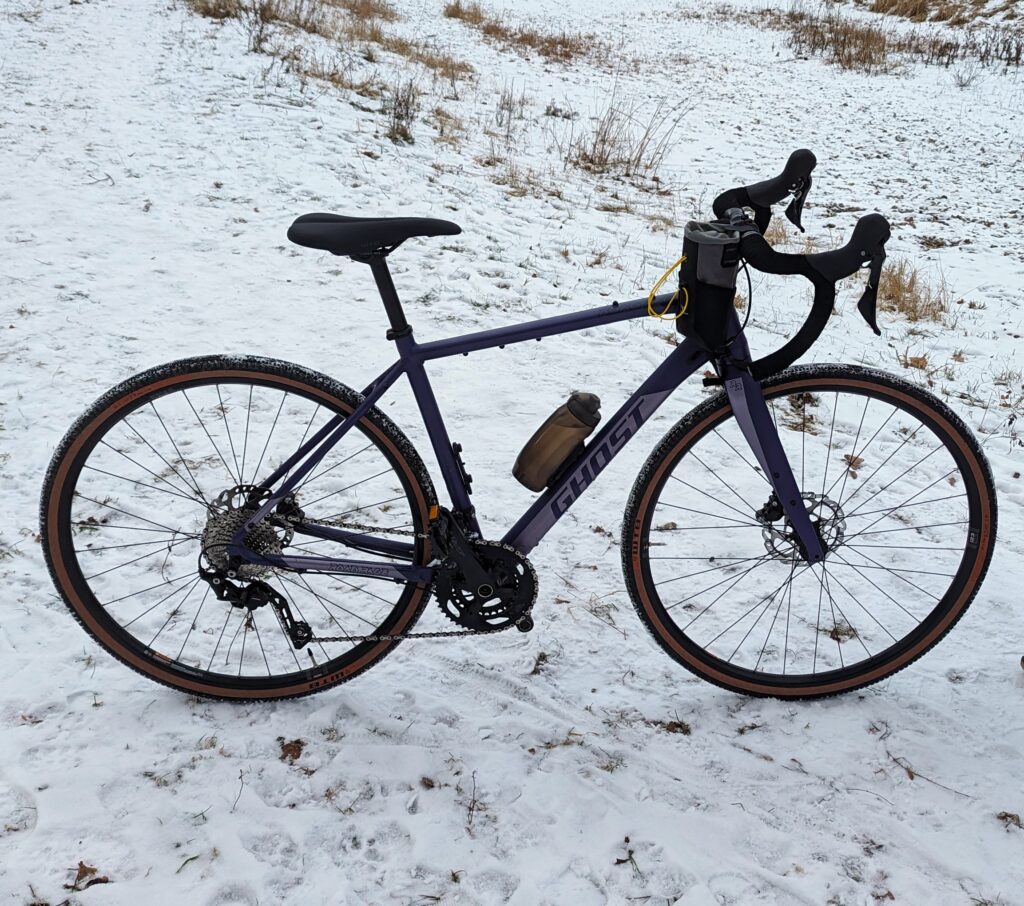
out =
column 906, row 528
column 746, row 461
column 231, row 443
column 158, row 603
column 877, row 587
column 771, row 594
column 885, row 461
column 771, row 628
column 177, row 490
column 174, row 610
column 302, row 439
column 348, row 488
column 256, row 629
column 115, row 547
column 889, row 510
column 96, row 526
column 703, row 571
column 853, row 452
column 893, row 571
column 759, row 562
column 746, row 515
column 856, row 601
column 170, row 547
column 184, row 461
column 686, row 509
column 313, row 478
column 141, row 484
column 720, row 480
column 245, row 446
column 216, row 449
column 220, row 638
column 192, row 623
column 321, row 598
column 367, row 506
column 828, row 447
column 270, row 434
column 871, row 440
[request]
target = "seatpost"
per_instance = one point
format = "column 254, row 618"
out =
column 386, row 287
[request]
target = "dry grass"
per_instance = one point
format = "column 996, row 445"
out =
column 562, row 46
column 848, row 43
column 339, row 71
column 777, row 233
column 345, row 21
column 955, row 13
column 877, row 47
column 215, row 9
column 450, row 128
column 904, row 289
column 622, row 141
column 401, row 105
column 369, row 31
column 367, row 9
column 470, row 13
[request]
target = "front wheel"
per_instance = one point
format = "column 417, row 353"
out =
column 150, row 482
column 900, row 493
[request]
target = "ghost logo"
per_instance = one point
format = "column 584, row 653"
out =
column 600, row 455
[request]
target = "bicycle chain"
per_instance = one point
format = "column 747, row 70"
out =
column 437, row 634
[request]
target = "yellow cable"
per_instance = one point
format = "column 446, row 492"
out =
column 661, row 280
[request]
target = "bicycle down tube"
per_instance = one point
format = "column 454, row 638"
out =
column 744, row 393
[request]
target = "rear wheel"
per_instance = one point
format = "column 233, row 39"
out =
column 153, row 475
column 901, row 496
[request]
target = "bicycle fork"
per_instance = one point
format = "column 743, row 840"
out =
column 758, row 427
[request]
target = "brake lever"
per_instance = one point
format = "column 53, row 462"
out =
column 795, row 209
column 868, row 302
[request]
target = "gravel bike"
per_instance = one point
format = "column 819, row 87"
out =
column 245, row 528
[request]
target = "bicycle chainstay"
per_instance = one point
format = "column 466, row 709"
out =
column 397, row 637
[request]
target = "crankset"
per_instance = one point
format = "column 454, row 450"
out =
column 484, row 586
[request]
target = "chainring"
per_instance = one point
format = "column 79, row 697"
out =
column 504, row 602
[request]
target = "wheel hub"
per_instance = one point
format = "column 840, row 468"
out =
column 227, row 514
column 826, row 517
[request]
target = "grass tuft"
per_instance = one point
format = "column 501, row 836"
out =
column 562, row 46
column 904, row 289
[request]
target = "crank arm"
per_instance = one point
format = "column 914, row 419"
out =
column 759, row 430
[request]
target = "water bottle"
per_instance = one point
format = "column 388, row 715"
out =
column 557, row 441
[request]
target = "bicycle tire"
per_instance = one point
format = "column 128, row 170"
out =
column 979, row 492
column 128, row 397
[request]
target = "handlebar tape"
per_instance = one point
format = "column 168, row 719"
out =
column 824, row 270
column 795, row 179
column 761, row 256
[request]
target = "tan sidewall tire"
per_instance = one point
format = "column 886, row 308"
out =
column 192, row 371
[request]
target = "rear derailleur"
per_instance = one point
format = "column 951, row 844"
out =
column 253, row 595
column 484, row 586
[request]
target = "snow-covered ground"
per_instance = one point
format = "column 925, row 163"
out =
column 150, row 169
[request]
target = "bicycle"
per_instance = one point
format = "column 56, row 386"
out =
column 830, row 522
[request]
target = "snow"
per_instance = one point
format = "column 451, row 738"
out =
column 151, row 169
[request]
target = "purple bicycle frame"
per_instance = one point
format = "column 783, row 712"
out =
column 748, row 405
